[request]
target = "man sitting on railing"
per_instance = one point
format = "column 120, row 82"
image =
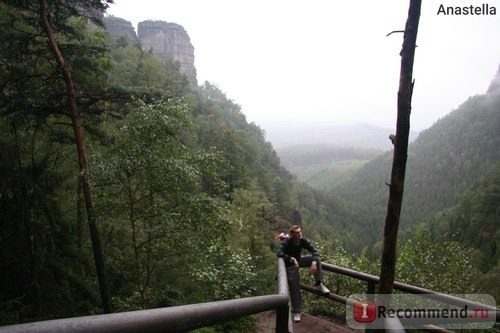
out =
column 290, row 250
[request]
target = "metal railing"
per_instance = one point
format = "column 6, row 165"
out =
column 172, row 319
column 193, row 316
column 372, row 280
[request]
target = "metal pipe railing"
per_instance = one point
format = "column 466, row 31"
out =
column 283, row 324
column 189, row 317
column 171, row 319
column 372, row 279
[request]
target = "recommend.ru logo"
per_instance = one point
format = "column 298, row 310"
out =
column 377, row 311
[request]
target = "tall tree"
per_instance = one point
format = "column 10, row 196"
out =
column 396, row 187
column 82, row 155
column 153, row 198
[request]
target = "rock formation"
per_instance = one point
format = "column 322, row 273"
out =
column 169, row 41
column 118, row 27
column 165, row 41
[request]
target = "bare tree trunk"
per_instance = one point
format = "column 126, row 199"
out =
column 82, row 159
column 388, row 265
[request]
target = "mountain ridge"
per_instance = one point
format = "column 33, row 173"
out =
column 445, row 160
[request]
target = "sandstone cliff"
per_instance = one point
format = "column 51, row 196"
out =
column 169, row 41
column 165, row 40
column 118, row 27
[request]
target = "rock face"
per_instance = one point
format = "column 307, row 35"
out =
column 118, row 27
column 169, row 41
column 164, row 40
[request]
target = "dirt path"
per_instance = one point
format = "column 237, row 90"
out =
column 308, row 324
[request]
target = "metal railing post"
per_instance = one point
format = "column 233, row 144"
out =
column 283, row 312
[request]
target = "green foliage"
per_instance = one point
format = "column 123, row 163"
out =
column 32, row 84
column 227, row 274
column 251, row 211
column 149, row 185
column 452, row 156
column 189, row 195
column 488, row 282
column 474, row 220
column 44, row 270
column 437, row 263
column 251, row 160
column 245, row 324
column 89, row 58
column 44, row 244
column 299, row 156
column 40, row 245
column 327, row 176
column 335, row 253
column 133, row 68
column 444, row 161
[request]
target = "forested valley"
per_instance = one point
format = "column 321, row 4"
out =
column 188, row 196
column 452, row 192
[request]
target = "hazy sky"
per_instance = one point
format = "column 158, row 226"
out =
column 330, row 60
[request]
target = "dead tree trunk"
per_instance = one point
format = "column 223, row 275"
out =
column 82, row 158
column 396, row 186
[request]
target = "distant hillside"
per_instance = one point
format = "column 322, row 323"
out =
column 366, row 136
column 323, row 166
column 444, row 161
column 299, row 156
column 328, row 176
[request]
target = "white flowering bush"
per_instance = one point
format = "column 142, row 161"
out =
column 226, row 274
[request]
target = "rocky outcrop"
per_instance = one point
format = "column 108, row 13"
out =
column 118, row 27
column 165, row 41
column 169, row 41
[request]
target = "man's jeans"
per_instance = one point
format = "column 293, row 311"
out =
column 294, row 281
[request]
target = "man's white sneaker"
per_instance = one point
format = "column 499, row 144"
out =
column 321, row 288
column 296, row 317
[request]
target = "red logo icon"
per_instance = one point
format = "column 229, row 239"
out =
column 364, row 311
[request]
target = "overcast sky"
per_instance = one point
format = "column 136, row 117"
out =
column 330, row 61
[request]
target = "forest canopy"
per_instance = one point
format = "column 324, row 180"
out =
column 186, row 195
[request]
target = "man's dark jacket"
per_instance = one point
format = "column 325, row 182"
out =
column 288, row 250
